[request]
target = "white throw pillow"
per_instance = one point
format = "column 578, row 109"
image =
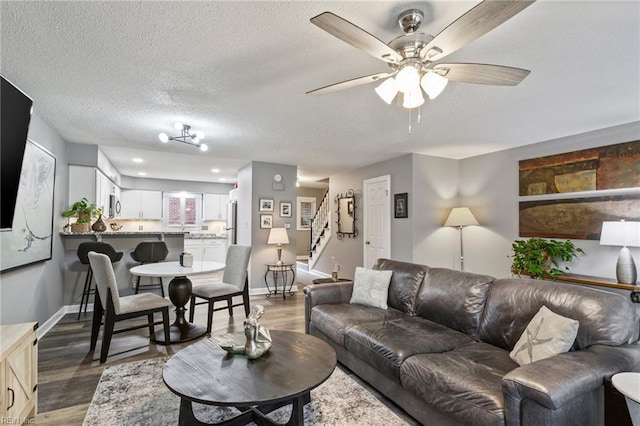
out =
column 371, row 287
column 547, row 334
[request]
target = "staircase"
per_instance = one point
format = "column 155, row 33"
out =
column 320, row 231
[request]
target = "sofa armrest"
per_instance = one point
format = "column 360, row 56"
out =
column 322, row 294
column 553, row 381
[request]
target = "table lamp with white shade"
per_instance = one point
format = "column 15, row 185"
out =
column 279, row 237
column 459, row 218
column 625, row 234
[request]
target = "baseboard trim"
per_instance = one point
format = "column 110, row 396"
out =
column 53, row 320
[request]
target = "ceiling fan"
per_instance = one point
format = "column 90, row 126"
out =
column 414, row 56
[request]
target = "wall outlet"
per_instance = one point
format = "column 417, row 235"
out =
column 205, row 227
column 140, row 227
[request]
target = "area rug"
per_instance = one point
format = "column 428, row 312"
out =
column 134, row 394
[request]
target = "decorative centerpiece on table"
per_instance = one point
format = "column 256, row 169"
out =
column 258, row 338
column 83, row 211
column 539, row 258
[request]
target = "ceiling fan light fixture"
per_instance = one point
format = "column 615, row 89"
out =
column 413, row 99
column 178, row 126
column 408, row 79
column 164, row 138
column 387, row 90
column 433, row 84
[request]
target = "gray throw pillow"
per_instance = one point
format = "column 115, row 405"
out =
column 371, row 287
column 547, row 334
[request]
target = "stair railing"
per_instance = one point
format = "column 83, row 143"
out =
column 319, row 223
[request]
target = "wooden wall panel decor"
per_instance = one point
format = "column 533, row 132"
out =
column 575, row 218
column 608, row 167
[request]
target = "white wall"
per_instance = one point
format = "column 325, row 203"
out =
column 35, row 292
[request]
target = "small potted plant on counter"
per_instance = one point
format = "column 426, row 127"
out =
column 539, row 258
column 83, row 211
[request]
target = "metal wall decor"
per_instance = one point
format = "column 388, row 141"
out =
column 346, row 213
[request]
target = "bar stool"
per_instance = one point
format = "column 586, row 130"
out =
column 82, row 253
column 150, row 252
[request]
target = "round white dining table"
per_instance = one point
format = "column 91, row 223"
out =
column 179, row 293
column 628, row 384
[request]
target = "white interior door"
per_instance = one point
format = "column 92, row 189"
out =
column 376, row 219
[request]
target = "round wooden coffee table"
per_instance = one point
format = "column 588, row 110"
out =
column 206, row 374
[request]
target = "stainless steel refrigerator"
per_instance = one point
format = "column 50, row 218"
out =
column 232, row 219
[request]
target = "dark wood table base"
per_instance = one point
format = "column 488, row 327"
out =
column 250, row 414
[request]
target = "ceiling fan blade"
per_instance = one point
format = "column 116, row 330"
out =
column 355, row 36
column 348, row 84
column 476, row 22
column 496, row 75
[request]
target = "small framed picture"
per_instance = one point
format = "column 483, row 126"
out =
column 266, row 205
column 285, row 209
column 401, row 206
column 266, row 221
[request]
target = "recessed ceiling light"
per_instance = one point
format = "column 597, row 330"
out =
column 142, row 173
column 137, row 160
column 223, row 180
column 215, row 170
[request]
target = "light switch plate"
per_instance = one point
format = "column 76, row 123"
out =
column 287, row 225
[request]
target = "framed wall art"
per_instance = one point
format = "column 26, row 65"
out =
column 569, row 195
column 401, row 206
column 266, row 221
column 285, row 209
column 30, row 238
column 266, row 204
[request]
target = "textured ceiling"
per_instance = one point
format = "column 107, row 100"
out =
column 116, row 74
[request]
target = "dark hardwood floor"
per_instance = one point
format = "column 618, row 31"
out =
column 68, row 373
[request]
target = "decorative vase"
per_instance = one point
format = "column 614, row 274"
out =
column 79, row 227
column 334, row 276
column 99, row 225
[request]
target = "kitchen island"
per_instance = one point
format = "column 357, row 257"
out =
column 124, row 241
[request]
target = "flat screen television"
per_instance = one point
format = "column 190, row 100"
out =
column 15, row 116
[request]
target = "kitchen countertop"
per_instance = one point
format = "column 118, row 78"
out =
column 203, row 236
column 123, row 234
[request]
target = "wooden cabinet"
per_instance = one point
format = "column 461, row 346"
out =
column 18, row 372
column 215, row 206
column 137, row 204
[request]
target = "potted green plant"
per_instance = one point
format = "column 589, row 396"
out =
column 539, row 258
column 83, row 211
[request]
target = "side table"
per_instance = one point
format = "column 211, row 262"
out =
column 283, row 270
column 628, row 384
column 329, row 280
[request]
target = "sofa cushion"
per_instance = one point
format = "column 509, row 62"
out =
column 371, row 287
column 335, row 319
column 605, row 318
column 547, row 334
column 453, row 298
column 465, row 383
column 405, row 282
column 385, row 345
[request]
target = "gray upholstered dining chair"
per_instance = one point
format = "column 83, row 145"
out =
column 235, row 282
column 116, row 308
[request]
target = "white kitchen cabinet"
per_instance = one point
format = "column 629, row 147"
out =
column 215, row 206
column 138, row 204
column 92, row 184
column 207, row 249
column 18, row 371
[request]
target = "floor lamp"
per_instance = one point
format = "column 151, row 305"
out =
column 459, row 218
